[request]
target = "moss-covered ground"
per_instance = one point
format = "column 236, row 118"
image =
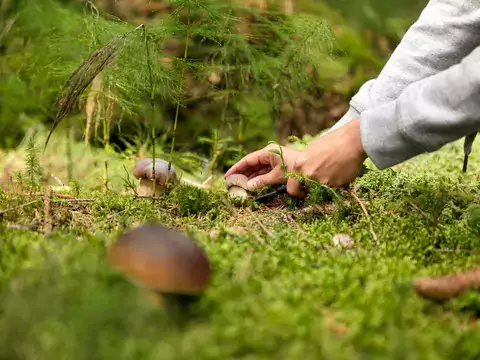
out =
column 280, row 290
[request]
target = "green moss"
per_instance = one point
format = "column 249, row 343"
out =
column 294, row 296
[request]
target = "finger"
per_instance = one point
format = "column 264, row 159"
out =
column 271, row 178
column 295, row 188
column 261, row 171
column 259, row 157
column 257, row 170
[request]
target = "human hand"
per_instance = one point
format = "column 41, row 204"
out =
column 334, row 159
column 263, row 167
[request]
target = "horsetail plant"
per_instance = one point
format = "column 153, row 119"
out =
column 152, row 107
column 83, row 76
column 180, row 90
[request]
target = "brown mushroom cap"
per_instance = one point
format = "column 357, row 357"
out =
column 144, row 170
column 446, row 287
column 161, row 259
column 237, row 180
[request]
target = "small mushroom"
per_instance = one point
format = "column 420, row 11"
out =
column 343, row 241
column 144, row 171
column 237, row 185
column 162, row 261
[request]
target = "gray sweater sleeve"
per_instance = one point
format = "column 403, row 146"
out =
column 427, row 115
column 445, row 32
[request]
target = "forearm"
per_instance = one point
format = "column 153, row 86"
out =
column 427, row 115
column 444, row 33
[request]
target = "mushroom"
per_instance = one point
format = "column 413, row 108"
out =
column 237, row 185
column 163, row 261
column 443, row 288
column 144, row 171
column 343, row 241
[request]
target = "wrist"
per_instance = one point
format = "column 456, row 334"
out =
column 356, row 139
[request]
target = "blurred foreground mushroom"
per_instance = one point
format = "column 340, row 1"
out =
column 237, row 186
column 446, row 287
column 163, row 261
column 144, row 171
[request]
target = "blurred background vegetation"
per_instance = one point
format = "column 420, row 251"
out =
column 255, row 70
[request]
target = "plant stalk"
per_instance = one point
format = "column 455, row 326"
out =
column 174, row 130
column 69, row 151
column 152, row 107
column 106, row 141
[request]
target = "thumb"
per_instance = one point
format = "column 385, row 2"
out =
column 271, row 178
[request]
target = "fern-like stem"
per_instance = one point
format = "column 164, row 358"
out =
column 69, row 151
column 106, row 143
column 215, row 152
column 152, row 107
column 174, row 130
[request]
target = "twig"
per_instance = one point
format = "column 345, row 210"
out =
column 364, row 209
column 18, row 207
column 73, row 200
column 147, row 197
column 456, row 251
column 57, row 180
column 21, row 227
column 260, row 224
column 246, row 262
column 8, row 26
column 424, row 214
column 64, row 197
column 208, row 182
column 68, row 151
column 90, row 105
column 290, row 220
column 47, row 216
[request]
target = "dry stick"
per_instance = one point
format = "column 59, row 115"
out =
column 288, row 7
column 364, row 209
column 290, row 220
column 259, row 223
column 57, row 180
column 90, row 106
column 69, row 151
column 424, row 214
column 214, row 152
column 152, row 106
column 106, row 137
column 47, row 215
column 18, row 207
column 246, row 262
column 177, row 110
column 8, row 26
column 99, row 115
column 63, row 197
column 146, row 197
column 73, row 200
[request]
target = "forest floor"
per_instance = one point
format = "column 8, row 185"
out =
column 280, row 289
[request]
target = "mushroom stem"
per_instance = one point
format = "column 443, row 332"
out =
column 237, row 187
column 145, row 188
column 237, row 192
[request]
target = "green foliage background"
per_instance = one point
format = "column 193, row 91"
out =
column 345, row 42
